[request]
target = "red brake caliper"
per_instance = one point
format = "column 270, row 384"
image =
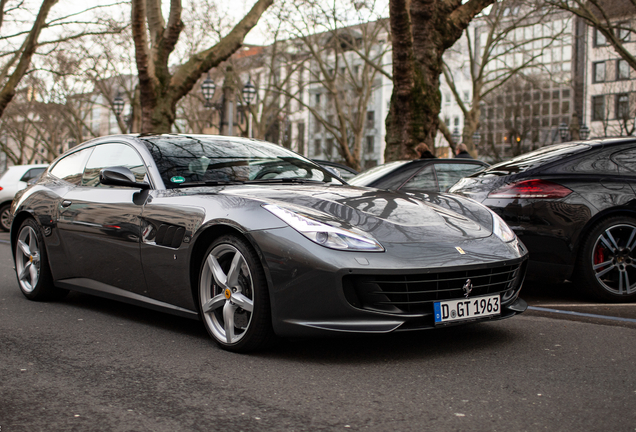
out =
column 599, row 256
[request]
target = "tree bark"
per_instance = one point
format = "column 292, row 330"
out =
column 421, row 32
column 160, row 90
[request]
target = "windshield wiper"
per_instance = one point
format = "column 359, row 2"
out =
column 209, row 183
column 285, row 180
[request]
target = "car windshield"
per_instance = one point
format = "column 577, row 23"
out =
column 533, row 159
column 203, row 160
column 369, row 176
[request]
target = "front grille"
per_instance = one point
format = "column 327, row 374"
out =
column 416, row 293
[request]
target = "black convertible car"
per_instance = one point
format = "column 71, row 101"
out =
column 257, row 241
column 574, row 207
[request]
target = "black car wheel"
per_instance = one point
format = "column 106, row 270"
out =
column 607, row 263
column 233, row 296
column 5, row 216
column 32, row 266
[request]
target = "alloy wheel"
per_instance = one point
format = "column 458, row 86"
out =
column 27, row 259
column 227, row 294
column 613, row 259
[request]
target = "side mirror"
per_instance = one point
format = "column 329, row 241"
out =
column 120, row 176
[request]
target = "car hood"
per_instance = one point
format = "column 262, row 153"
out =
column 388, row 216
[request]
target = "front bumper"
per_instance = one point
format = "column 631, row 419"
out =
column 310, row 297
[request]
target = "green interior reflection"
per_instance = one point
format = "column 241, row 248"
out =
column 194, row 160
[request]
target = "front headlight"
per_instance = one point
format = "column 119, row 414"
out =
column 324, row 234
column 501, row 229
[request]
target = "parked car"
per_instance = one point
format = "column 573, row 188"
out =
column 419, row 175
column 344, row 172
column 256, row 241
column 15, row 178
column 573, row 205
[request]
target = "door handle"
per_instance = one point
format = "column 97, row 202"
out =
column 66, row 203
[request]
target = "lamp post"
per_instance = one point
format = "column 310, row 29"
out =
column 563, row 131
column 584, row 132
column 207, row 88
column 118, row 104
column 476, row 138
column 249, row 94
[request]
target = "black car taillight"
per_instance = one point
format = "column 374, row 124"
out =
column 531, row 189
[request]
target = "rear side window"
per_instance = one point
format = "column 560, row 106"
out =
column 71, row 167
column 32, row 173
column 534, row 159
column 449, row 174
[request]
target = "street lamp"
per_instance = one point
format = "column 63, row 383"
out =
column 563, row 131
column 476, row 138
column 207, row 88
column 456, row 136
column 249, row 94
column 584, row 132
column 118, row 104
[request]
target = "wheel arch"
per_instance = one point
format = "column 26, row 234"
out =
column 202, row 242
column 629, row 210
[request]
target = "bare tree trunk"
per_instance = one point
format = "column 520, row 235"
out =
column 422, row 30
column 8, row 91
column 159, row 90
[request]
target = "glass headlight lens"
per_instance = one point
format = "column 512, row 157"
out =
column 501, row 229
column 324, row 234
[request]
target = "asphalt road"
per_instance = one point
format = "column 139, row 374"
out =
column 89, row 364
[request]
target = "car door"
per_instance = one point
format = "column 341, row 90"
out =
column 99, row 225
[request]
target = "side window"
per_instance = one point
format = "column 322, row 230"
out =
column 111, row 155
column 449, row 174
column 394, row 181
column 423, row 180
column 71, row 167
column 31, row 174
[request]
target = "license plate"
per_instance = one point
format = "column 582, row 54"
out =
column 456, row 310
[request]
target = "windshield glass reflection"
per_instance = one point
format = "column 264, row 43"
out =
column 194, row 160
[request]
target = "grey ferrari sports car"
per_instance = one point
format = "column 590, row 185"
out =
column 257, row 242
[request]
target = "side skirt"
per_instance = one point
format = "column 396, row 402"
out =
column 89, row 286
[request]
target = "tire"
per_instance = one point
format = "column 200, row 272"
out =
column 233, row 296
column 607, row 262
column 5, row 217
column 32, row 265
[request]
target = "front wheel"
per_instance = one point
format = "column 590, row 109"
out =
column 607, row 262
column 32, row 266
column 233, row 296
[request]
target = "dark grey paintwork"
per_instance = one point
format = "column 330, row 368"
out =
column 106, row 242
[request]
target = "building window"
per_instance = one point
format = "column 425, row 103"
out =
column 598, row 107
column 599, row 38
column 622, row 70
column 623, row 31
column 370, row 144
column 370, row 119
column 317, row 126
column 317, row 145
column 598, row 72
column 448, row 98
column 622, row 106
column 329, row 149
column 317, row 99
column 466, row 96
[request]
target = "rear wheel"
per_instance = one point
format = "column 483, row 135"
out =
column 32, row 266
column 5, row 217
column 607, row 262
column 233, row 296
